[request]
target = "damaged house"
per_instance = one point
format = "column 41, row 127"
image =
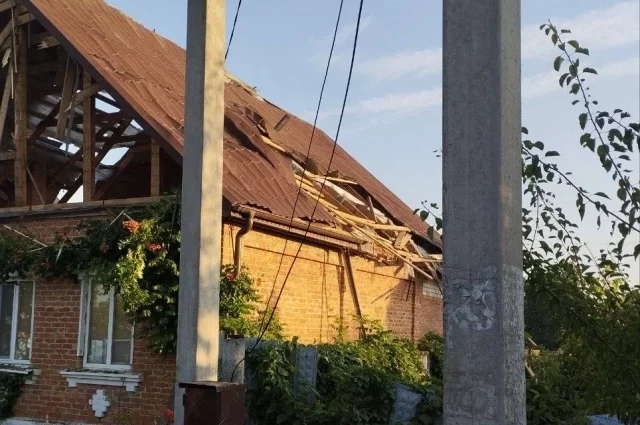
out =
column 93, row 105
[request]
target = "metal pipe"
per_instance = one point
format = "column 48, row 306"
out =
column 237, row 255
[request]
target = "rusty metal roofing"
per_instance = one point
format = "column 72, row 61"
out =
column 146, row 73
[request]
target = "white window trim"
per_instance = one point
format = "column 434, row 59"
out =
column 84, row 331
column 129, row 381
column 14, row 321
column 21, row 369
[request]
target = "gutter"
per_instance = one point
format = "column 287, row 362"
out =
column 237, row 255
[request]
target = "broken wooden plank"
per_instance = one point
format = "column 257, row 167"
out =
column 88, row 139
column 20, row 119
column 65, row 101
column 155, row 169
column 85, row 94
column 4, row 104
column 402, row 240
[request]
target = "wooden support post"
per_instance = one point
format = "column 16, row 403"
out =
column 20, row 118
column 155, row 169
column 65, row 101
column 88, row 143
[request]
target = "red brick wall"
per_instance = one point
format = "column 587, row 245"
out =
column 316, row 296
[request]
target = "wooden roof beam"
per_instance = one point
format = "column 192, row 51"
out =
column 66, row 98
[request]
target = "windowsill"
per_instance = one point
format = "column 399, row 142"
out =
column 31, row 373
column 113, row 378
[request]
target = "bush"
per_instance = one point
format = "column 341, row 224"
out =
column 355, row 381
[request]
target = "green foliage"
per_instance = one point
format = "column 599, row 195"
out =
column 579, row 302
column 553, row 395
column 138, row 253
column 10, row 384
column 433, row 344
column 354, row 382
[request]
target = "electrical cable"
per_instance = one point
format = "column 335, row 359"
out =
column 333, row 150
column 233, row 29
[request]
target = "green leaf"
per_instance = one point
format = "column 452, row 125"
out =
column 525, row 130
column 573, row 43
column 583, row 120
column 552, row 153
column 558, row 63
column 602, row 151
column 615, row 133
column 582, row 51
column 575, row 88
column 563, row 77
column 575, row 101
column 565, row 31
column 636, row 252
column 539, row 145
column 622, row 194
column 554, row 39
column 590, row 71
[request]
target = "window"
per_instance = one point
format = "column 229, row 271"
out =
column 108, row 333
column 16, row 321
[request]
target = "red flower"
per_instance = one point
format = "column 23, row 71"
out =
column 131, row 225
column 170, row 414
column 230, row 277
column 154, row 247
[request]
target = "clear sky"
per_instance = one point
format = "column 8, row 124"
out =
column 393, row 122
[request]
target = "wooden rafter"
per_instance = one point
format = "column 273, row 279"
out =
column 155, row 169
column 8, row 29
column 20, row 119
column 88, row 138
column 121, row 167
column 65, row 101
column 86, row 93
column 48, row 121
column 106, row 147
column 4, row 104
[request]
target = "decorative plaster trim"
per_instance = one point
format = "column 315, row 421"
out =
column 114, row 379
column 22, row 369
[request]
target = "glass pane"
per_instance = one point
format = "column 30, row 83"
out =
column 23, row 334
column 98, row 326
column 121, row 346
column 6, row 314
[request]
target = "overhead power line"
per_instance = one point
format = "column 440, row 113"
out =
column 264, row 326
column 233, row 29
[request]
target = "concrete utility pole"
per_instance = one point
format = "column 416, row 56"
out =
column 198, row 321
column 484, row 381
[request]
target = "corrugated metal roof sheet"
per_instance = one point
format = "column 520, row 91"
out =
column 146, row 72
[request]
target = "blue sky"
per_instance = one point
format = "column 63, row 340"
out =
column 393, row 122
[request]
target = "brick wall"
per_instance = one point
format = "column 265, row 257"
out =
column 316, row 295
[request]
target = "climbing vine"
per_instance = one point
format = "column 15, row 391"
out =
column 137, row 252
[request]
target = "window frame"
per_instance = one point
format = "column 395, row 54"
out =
column 17, row 283
column 85, row 331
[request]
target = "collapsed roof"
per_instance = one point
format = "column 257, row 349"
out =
column 145, row 72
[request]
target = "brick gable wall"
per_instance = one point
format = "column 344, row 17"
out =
column 316, row 295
